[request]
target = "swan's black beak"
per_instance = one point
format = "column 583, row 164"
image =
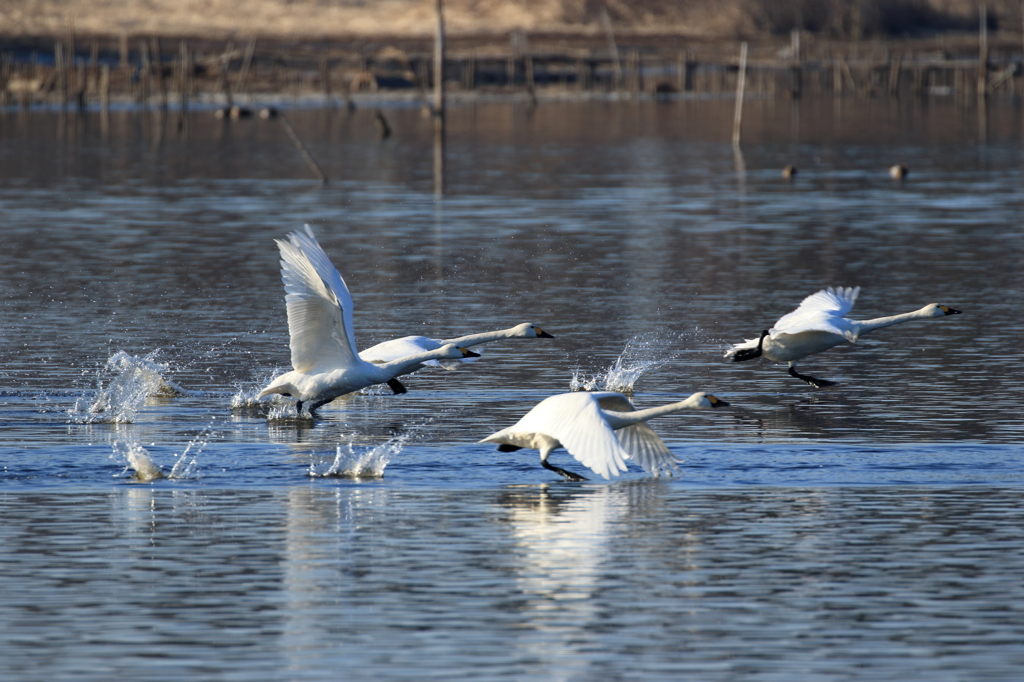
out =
column 717, row 402
column 949, row 311
column 541, row 334
column 468, row 353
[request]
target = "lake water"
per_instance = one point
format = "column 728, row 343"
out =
column 871, row 530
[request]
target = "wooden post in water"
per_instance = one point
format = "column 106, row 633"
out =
column 158, row 65
column 60, row 73
column 894, row 75
column 184, row 72
column 796, row 86
column 310, row 161
column 439, row 102
column 439, row 65
column 612, row 48
column 243, row 76
column 983, row 51
column 144, row 73
column 104, row 87
column 741, row 82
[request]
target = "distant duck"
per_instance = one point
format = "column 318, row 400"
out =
column 789, row 172
column 601, row 430
column 899, row 171
column 324, row 358
column 408, row 345
column 820, row 323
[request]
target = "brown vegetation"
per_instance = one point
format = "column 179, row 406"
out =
column 335, row 18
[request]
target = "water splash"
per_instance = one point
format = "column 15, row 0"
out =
column 133, row 381
column 134, row 457
column 137, row 459
column 349, row 463
column 639, row 356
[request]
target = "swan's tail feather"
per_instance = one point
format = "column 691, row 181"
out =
column 749, row 344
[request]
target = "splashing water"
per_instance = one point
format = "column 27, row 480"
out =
column 638, row 357
column 348, row 463
column 135, row 457
column 135, row 380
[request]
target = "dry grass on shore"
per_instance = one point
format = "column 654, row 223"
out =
column 331, row 18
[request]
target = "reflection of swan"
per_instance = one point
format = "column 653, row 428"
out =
column 585, row 425
column 324, row 358
column 819, row 324
column 410, row 345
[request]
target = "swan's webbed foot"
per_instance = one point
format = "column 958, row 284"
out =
column 817, row 383
column 559, row 470
column 298, row 407
column 750, row 353
column 396, row 387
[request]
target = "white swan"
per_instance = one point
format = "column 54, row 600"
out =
column 818, row 324
column 601, row 430
column 408, row 345
column 324, row 358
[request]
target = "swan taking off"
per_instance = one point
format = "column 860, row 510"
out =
column 818, row 324
column 324, row 358
column 601, row 430
column 409, row 345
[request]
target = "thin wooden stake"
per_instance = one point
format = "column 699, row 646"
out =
column 983, row 51
column 616, row 64
column 310, row 161
column 741, row 83
column 439, row 65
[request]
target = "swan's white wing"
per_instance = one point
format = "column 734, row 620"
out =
column 315, row 324
column 821, row 311
column 647, row 449
column 640, row 441
column 575, row 419
column 396, row 349
column 332, row 279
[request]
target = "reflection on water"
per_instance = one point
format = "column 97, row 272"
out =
column 867, row 530
column 560, row 582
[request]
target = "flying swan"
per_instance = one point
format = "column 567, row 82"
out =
column 324, row 358
column 601, row 430
column 818, row 324
column 409, row 345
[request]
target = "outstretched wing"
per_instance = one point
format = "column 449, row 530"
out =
column 648, row 450
column 575, row 420
column 822, row 311
column 319, row 306
column 640, row 441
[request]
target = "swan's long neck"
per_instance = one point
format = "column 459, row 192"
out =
column 865, row 326
column 396, row 367
column 619, row 420
column 482, row 337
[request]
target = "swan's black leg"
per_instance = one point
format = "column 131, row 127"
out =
column 817, row 383
column 396, row 387
column 298, row 407
column 559, row 470
column 317, row 404
column 750, row 353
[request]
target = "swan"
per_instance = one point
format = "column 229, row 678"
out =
column 585, row 424
column 324, row 358
column 818, row 324
column 408, row 345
